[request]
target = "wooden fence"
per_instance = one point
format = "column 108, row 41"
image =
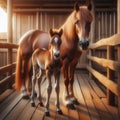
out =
column 7, row 80
column 112, row 78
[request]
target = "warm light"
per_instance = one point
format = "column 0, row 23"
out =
column 3, row 20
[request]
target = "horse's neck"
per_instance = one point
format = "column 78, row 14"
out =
column 69, row 28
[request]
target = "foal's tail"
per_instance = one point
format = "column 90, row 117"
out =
column 18, row 77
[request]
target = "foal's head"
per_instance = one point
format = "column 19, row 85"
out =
column 83, row 19
column 55, row 42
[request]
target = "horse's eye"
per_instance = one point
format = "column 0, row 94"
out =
column 77, row 21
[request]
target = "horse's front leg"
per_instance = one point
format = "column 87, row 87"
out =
column 57, row 90
column 49, row 90
column 71, row 72
column 66, row 96
column 71, row 81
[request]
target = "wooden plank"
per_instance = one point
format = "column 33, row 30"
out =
column 103, row 113
column 7, row 101
column 111, row 41
column 10, row 107
column 112, row 109
column 7, row 68
column 82, row 107
column 6, row 94
column 8, row 45
column 104, row 80
column 97, row 90
column 114, row 65
column 17, row 110
column 88, row 98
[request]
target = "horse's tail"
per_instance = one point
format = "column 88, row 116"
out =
column 18, row 77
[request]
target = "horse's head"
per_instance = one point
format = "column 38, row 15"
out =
column 55, row 42
column 82, row 21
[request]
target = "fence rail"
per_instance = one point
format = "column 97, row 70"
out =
column 111, row 64
column 7, row 81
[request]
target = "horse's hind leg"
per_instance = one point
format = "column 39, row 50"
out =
column 33, row 85
column 49, row 90
column 57, row 89
column 24, row 77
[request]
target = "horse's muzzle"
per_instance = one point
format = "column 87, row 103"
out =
column 84, row 44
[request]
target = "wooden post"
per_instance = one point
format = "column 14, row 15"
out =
column 110, row 75
column 37, row 20
column 9, row 32
column 118, row 14
column 92, row 36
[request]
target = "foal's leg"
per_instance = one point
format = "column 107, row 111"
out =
column 39, row 79
column 33, row 85
column 57, row 89
column 49, row 90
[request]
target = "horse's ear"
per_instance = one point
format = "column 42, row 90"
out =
column 76, row 6
column 51, row 32
column 89, row 7
column 61, row 32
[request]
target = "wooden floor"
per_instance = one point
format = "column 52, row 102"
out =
column 93, row 105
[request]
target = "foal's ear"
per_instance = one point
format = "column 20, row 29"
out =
column 51, row 32
column 61, row 32
column 76, row 6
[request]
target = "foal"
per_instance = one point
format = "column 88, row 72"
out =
column 47, row 62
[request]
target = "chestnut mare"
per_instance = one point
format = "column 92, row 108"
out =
column 75, row 38
column 47, row 62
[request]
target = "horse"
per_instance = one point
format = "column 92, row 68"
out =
column 75, row 39
column 47, row 62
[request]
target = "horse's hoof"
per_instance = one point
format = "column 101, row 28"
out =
column 60, row 112
column 26, row 97
column 47, row 114
column 75, row 102
column 41, row 104
column 70, row 106
column 33, row 104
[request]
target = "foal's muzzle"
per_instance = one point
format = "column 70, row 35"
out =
column 84, row 44
column 57, row 54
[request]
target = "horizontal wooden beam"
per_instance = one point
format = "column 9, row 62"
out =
column 42, row 10
column 111, row 41
column 7, row 68
column 112, row 86
column 8, row 45
column 113, row 65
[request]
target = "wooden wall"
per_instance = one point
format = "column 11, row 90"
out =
column 36, row 20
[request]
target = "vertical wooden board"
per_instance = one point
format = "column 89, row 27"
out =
column 18, row 31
